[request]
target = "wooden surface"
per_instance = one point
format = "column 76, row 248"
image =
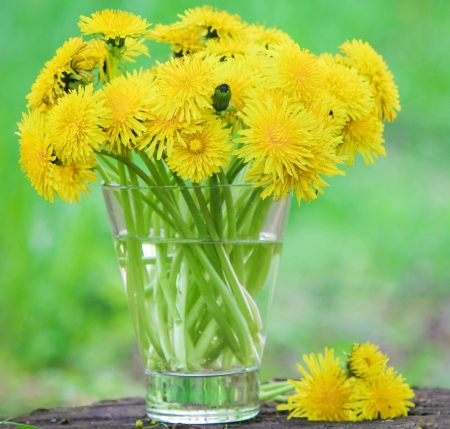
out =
column 432, row 411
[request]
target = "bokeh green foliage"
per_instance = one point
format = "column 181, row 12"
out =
column 367, row 262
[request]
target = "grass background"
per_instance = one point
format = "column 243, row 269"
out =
column 369, row 261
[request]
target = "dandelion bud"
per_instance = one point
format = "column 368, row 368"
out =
column 221, row 97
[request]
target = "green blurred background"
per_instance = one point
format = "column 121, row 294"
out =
column 369, row 261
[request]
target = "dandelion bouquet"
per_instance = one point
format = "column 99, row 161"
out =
column 199, row 157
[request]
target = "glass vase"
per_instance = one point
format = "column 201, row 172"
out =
column 199, row 265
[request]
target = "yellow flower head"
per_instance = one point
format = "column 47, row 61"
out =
column 366, row 360
column 350, row 89
column 36, row 155
column 231, row 47
column 241, row 78
column 134, row 49
column 294, row 70
column 323, row 391
column 266, row 37
column 369, row 64
column 75, row 125
column 58, row 76
column 329, row 59
column 325, row 107
column 72, row 181
column 305, row 182
column 214, row 22
column 114, row 24
column 128, row 99
column 92, row 53
column 382, row 396
column 363, row 136
column 183, row 40
column 184, row 86
column 202, row 154
column 163, row 133
column 277, row 135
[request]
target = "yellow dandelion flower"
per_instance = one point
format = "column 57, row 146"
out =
column 134, row 48
column 322, row 393
column 36, row 155
column 91, row 54
column 363, row 136
column 183, row 40
column 56, row 77
column 306, row 182
column 240, row 78
column 383, row 396
column 114, row 24
column 266, row 37
column 72, row 181
column 371, row 65
column 128, row 98
column 202, row 154
column 162, row 133
column 277, row 95
column 293, row 69
column 231, row 47
column 366, row 360
column 75, row 125
column 353, row 91
column 185, row 86
column 325, row 105
column 277, row 135
column 215, row 22
column 328, row 59
column 327, row 125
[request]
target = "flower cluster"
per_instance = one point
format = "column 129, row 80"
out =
column 365, row 389
column 234, row 97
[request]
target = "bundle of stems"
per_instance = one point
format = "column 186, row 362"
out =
column 193, row 261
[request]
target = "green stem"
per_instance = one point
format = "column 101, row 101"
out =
column 216, row 205
column 134, row 283
column 227, row 358
column 112, row 69
column 196, row 216
column 234, row 170
column 110, row 165
column 129, row 164
column 158, row 211
column 138, row 207
column 166, row 288
column 238, row 253
column 268, row 387
column 161, row 325
column 129, row 221
column 259, row 265
column 226, row 266
column 275, row 390
column 180, row 333
column 244, row 214
column 160, row 165
column 153, row 170
column 206, row 339
column 195, row 311
column 259, row 217
column 102, row 172
column 214, row 309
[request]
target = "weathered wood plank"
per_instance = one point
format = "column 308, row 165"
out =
column 432, row 411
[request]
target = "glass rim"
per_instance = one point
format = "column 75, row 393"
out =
column 115, row 186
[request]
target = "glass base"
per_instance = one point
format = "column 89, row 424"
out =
column 203, row 398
